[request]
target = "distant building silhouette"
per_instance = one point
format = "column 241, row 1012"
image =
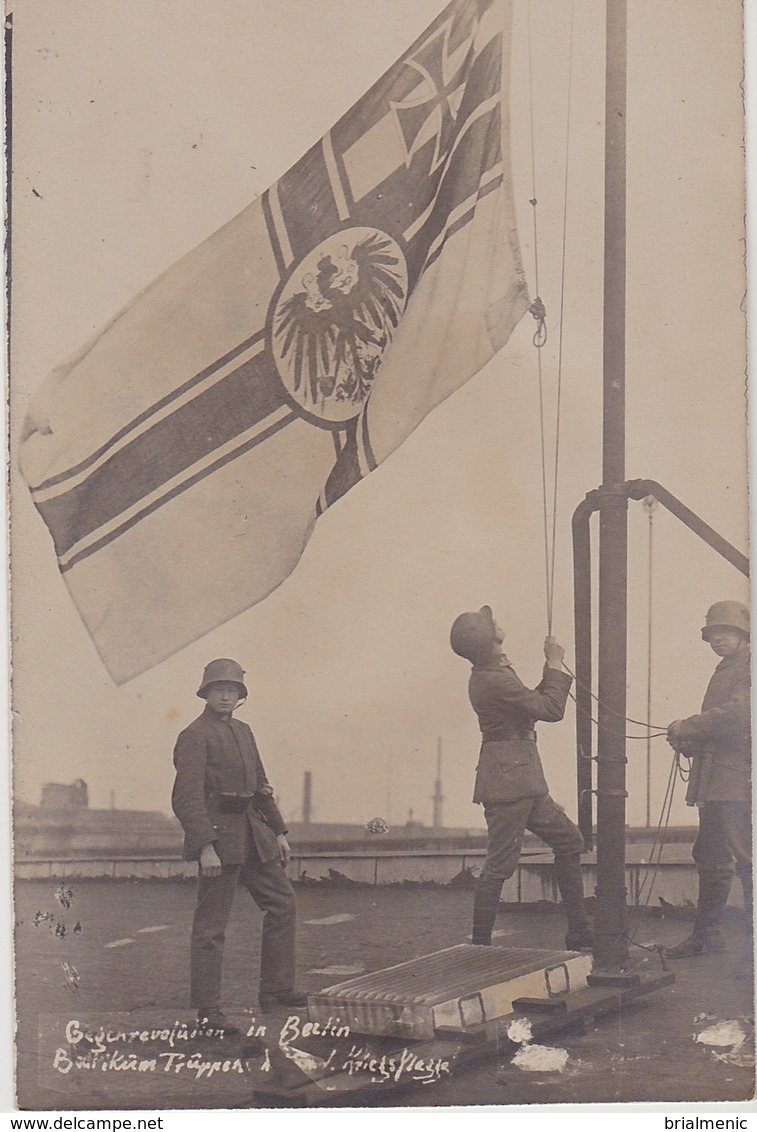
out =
column 58, row 797
column 64, row 826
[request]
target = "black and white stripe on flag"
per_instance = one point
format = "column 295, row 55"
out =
column 264, row 374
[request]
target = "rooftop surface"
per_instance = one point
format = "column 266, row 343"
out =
column 113, row 955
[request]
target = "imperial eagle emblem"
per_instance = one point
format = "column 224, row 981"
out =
column 334, row 319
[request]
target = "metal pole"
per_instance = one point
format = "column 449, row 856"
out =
column 583, row 645
column 638, row 489
column 611, row 948
column 650, row 506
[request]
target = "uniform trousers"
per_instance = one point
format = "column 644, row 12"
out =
column 723, row 847
column 508, row 821
column 269, row 887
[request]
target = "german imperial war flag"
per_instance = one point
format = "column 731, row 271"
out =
column 181, row 459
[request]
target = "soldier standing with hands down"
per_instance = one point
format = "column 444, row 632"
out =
column 510, row 782
column 233, row 827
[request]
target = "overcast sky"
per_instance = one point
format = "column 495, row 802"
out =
column 139, row 129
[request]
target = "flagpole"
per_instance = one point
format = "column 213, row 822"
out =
column 611, row 947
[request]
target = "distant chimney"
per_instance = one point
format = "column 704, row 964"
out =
column 307, row 798
column 437, row 821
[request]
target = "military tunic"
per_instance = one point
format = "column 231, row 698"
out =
column 510, row 782
column 719, row 739
column 214, row 759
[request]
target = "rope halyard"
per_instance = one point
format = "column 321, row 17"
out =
column 540, row 336
column 655, row 857
column 558, row 407
column 655, row 727
column 538, row 312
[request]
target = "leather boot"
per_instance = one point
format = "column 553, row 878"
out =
column 745, row 875
column 485, row 906
column 745, row 956
column 700, row 941
column 570, row 883
column 714, row 886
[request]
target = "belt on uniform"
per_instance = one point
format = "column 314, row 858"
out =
column 234, row 802
column 512, row 735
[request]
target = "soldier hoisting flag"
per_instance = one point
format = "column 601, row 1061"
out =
column 181, row 459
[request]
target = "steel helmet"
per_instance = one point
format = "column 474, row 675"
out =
column 726, row 615
column 472, row 634
column 223, row 670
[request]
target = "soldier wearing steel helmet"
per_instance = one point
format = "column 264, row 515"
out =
column 718, row 741
column 510, row 782
column 233, row 827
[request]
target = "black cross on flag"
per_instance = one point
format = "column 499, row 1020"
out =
column 431, row 110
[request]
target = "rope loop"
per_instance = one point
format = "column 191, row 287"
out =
column 539, row 312
column 684, row 771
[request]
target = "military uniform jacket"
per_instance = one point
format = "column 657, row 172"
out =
column 213, row 757
column 509, row 767
column 719, row 739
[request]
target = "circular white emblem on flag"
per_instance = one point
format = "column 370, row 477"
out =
column 335, row 318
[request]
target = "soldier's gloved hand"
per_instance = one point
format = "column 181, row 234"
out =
column 554, row 652
column 284, row 851
column 210, row 862
column 674, row 735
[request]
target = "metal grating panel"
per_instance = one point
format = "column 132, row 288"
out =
column 456, row 971
column 456, row 988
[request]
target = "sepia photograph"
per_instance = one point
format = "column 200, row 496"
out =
column 379, row 534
